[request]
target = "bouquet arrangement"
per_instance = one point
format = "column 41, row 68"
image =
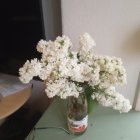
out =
column 67, row 73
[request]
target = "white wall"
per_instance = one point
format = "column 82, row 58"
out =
column 115, row 26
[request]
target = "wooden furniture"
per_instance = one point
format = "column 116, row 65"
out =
column 11, row 103
column 104, row 124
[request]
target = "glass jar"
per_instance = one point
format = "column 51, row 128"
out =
column 77, row 114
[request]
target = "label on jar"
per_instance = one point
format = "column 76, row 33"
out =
column 78, row 126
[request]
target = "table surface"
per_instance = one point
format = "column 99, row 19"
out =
column 104, row 124
column 11, row 103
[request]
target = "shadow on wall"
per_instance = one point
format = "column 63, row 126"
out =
column 132, row 44
column 38, row 100
column 52, row 18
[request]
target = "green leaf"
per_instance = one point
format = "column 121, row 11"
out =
column 92, row 104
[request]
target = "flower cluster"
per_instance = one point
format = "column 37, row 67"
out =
column 67, row 73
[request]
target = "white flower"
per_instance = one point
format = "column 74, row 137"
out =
column 45, row 71
column 41, row 46
column 86, row 48
column 29, row 70
column 86, row 42
column 112, row 71
column 63, row 42
column 63, row 88
column 121, row 104
column 110, row 98
column 66, row 72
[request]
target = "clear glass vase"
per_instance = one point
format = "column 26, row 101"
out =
column 77, row 114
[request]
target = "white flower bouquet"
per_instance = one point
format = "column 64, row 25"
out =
column 67, row 73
